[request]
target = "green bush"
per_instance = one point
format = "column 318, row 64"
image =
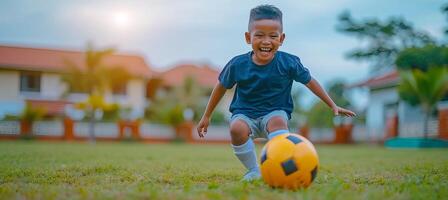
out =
column 32, row 114
column 113, row 113
column 218, row 117
column 165, row 113
column 175, row 115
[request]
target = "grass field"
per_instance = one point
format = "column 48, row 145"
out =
column 42, row 170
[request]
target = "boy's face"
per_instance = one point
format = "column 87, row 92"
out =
column 266, row 37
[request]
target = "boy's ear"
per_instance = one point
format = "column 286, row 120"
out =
column 247, row 35
column 282, row 37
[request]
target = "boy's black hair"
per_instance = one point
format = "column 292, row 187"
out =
column 265, row 12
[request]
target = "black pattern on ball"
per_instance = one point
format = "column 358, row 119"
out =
column 289, row 166
column 263, row 156
column 294, row 139
column 313, row 174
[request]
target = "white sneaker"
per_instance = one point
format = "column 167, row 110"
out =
column 251, row 176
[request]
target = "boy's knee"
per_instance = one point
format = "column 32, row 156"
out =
column 239, row 131
column 239, row 127
column 276, row 123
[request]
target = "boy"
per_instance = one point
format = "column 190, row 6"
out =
column 262, row 104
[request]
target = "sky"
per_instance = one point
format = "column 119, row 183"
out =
column 168, row 32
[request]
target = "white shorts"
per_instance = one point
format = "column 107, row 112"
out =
column 258, row 127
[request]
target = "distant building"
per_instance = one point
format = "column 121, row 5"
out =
column 384, row 106
column 205, row 75
column 34, row 75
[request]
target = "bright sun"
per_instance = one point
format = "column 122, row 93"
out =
column 121, row 19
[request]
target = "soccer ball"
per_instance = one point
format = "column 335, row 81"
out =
column 289, row 161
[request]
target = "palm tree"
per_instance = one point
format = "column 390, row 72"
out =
column 424, row 88
column 94, row 78
column 182, row 98
column 189, row 94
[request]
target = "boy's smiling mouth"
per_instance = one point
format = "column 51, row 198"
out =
column 265, row 49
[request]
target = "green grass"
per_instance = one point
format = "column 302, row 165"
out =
column 44, row 170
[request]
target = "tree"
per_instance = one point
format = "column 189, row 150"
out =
column 424, row 88
column 94, row 78
column 423, row 58
column 384, row 39
column 445, row 11
column 298, row 112
column 169, row 109
column 178, row 104
column 96, row 103
column 320, row 115
column 337, row 91
column 189, row 95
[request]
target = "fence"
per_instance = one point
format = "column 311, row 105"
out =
column 9, row 127
column 79, row 130
column 415, row 129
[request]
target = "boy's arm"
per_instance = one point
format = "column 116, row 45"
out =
column 315, row 87
column 215, row 97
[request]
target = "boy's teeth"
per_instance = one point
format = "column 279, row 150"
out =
column 265, row 49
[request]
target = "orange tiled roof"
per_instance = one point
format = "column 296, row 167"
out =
column 53, row 60
column 204, row 75
column 379, row 81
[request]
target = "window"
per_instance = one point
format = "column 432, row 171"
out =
column 30, row 81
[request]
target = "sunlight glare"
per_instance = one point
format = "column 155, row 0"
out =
column 121, row 19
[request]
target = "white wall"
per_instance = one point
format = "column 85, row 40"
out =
column 10, row 100
column 375, row 111
column 52, row 86
column 135, row 95
column 134, row 98
column 9, row 85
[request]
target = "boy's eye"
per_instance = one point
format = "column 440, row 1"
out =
column 274, row 36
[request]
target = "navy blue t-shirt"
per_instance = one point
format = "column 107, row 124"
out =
column 261, row 89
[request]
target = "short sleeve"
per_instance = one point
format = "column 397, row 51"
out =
column 300, row 73
column 227, row 75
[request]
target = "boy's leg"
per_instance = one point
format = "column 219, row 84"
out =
column 275, row 123
column 241, row 128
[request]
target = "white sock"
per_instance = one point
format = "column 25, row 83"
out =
column 277, row 132
column 247, row 155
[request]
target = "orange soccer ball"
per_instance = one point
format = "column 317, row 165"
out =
column 289, row 161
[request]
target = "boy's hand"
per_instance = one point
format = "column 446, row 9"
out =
column 342, row 111
column 202, row 126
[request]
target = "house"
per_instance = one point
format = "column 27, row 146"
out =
column 205, row 75
column 388, row 116
column 34, row 75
